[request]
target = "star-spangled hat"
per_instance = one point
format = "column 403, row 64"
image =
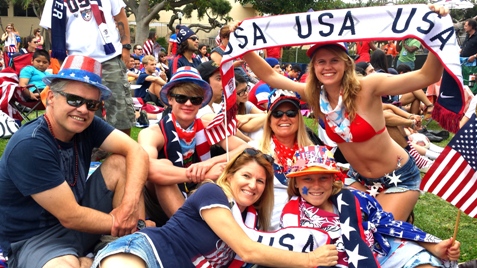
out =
column 186, row 74
column 279, row 96
column 82, row 69
column 313, row 160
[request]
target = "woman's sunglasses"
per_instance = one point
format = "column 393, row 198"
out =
column 254, row 152
column 183, row 99
column 77, row 101
column 194, row 38
column 289, row 113
column 241, row 93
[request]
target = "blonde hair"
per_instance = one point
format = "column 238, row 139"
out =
column 264, row 204
column 292, row 190
column 146, row 59
column 350, row 83
column 301, row 135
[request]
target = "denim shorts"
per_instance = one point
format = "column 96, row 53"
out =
column 409, row 179
column 59, row 241
column 408, row 254
column 137, row 244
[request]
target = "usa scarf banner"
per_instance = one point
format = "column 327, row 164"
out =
column 436, row 33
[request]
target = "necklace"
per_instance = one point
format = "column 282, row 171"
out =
column 59, row 147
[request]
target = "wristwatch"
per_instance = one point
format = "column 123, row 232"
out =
column 127, row 46
column 141, row 224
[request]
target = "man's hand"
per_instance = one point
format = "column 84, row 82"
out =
column 196, row 172
column 215, row 172
column 124, row 220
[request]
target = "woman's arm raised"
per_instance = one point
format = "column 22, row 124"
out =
column 264, row 72
column 221, row 221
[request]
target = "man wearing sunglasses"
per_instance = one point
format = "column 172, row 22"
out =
column 178, row 148
column 187, row 44
column 51, row 213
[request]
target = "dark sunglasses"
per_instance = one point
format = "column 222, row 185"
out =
column 289, row 113
column 77, row 101
column 183, row 99
column 254, row 152
column 242, row 92
column 194, row 38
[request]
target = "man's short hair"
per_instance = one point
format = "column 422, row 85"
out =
column 41, row 52
column 403, row 68
column 296, row 68
column 472, row 23
column 147, row 59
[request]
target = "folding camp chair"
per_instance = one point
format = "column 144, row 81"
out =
column 12, row 101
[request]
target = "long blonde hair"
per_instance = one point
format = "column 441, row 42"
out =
column 264, row 204
column 301, row 135
column 292, row 190
column 350, row 83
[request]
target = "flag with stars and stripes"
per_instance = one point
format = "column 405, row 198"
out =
column 453, row 175
column 225, row 124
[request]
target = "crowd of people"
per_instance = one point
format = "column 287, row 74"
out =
column 175, row 199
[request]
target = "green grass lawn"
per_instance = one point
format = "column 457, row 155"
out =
column 432, row 214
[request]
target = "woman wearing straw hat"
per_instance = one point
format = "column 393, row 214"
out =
column 353, row 218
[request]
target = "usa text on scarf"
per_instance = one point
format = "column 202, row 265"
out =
column 436, row 33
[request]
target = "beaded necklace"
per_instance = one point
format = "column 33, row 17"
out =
column 59, row 147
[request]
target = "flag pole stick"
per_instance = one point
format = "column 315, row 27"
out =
column 456, row 227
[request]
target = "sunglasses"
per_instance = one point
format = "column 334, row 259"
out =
column 194, row 38
column 139, row 48
column 242, row 92
column 77, row 101
column 289, row 113
column 183, row 99
column 9, row 28
column 255, row 152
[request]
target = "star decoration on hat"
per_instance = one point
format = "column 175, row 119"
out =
column 354, row 257
column 394, row 178
column 86, row 78
column 72, row 74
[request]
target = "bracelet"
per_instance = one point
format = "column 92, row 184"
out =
column 413, row 123
column 113, row 221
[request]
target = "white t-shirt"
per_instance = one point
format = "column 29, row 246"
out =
column 82, row 34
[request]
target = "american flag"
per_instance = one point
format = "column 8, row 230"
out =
column 453, row 175
column 217, row 130
column 9, row 91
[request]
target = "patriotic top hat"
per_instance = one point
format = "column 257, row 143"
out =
column 186, row 74
column 313, row 160
column 311, row 51
column 82, row 69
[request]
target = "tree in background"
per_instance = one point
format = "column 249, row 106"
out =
column 145, row 11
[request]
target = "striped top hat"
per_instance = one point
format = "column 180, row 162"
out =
column 186, row 74
column 313, row 160
column 82, row 69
